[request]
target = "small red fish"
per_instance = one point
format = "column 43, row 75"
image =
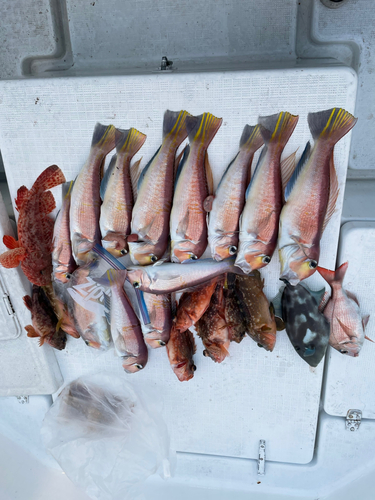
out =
column 212, row 328
column 44, row 320
column 35, row 229
column 180, row 349
column 193, row 305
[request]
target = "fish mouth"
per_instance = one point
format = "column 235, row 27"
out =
column 290, row 276
column 243, row 265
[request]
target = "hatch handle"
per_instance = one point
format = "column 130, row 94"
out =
column 261, row 457
column 353, row 420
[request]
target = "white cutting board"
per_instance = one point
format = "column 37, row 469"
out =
column 226, row 409
column 350, row 381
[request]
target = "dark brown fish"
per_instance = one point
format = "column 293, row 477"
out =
column 235, row 318
column 212, row 327
column 260, row 317
column 44, row 320
column 180, row 349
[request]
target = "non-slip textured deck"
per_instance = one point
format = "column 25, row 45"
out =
column 226, row 409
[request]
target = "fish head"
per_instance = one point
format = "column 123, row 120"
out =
column 182, row 255
column 297, row 262
column 266, row 336
column 144, row 253
column 157, row 338
column 348, row 347
column 254, row 255
column 224, row 246
column 134, row 364
column 217, row 351
column 139, row 278
column 115, row 249
column 184, row 371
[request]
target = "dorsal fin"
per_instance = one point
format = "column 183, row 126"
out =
column 107, row 176
column 260, row 159
column 302, row 162
column 333, row 192
column 209, row 176
column 287, row 167
column 143, row 173
column 135, row 172
column 182, row 163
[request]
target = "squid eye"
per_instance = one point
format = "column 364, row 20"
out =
column 312, row 264
column 193, row 257
column 138, row 366
column 123, row 251
column 161, row 343
column 232, row 250
column 136, row 284
column 153, row 258
column 266, row 259
column 343, row 351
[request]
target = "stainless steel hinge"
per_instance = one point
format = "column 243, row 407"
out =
column 353, row 420
column 261, row 457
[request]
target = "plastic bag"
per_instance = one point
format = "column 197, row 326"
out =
column 106, row 438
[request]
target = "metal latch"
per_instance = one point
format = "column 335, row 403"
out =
column 166, row 64
column 261, row 457
column 353, row 420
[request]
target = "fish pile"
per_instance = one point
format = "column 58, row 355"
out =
column 163, row 217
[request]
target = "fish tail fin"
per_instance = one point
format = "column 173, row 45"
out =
column 50, row 177
column 330, row 125
column 251, row 138
column 12, row 258
column 175, row 125
column 202, row 129
column 129, row 141
column 104, row 138
column 334, row 276
column 66, row 189
column 277, row 129
column 22, row 193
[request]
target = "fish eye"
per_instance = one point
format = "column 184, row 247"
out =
column 343, row 351
column 297, row 348
column 161, row 343
column 312, row 264
column 153, row 258
column 87, row 342
column 68, row 276
column 137, row 365
column 259, row 345
column 193, row 257
column 193, row 368
column 232, row 250
column 266, row 259
column 136, row 284
column 205, row 353
column 123, row 251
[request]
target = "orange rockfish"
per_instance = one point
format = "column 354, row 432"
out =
column 180, row 349
column 116, row 193
column 342, row 311
column 35, row 229
column 125, row 328
column 229, row 200
column 157, row 333
column 62, row 257
column 85, row 198
column 151, row 212
column 45, row 325
column 259, row 222
column 311, row 196
column 212, row 327
column 193, row 305
column 188, row 214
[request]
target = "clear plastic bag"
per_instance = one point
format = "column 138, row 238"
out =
column 106, row 438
